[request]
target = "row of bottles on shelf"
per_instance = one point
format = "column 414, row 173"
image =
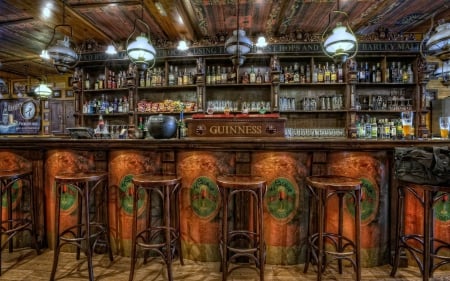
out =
column 175, row 77
column 109, row 80
column 368, row 127
column 228, row 75
column 105, row 106
column 322, row 73
column 396, row 72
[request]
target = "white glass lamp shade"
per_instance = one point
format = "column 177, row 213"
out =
column 63, row 56
column 44, row 55
column 140, row 50
column 340, row 40
column 111, row 50
column 182, row 46
column 43, row 90
column 439, row 42
column 238, row 39
column 261, row 43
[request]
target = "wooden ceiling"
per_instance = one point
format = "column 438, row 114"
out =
column 25, row 32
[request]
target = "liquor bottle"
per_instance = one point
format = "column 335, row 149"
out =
column 367, row 72
column 213, row 75
column 171, row 77
column 218, row 77
column 410, row 74
column 120, row 106
column 333, row 74
column 179, row 76
column 126, row 105
column 315, row 76
column 374, row 128
column 373, row 74
column 208, row 75
column 308, row 74
column 405, row 77
column 327, row 74
column 185, row 77
column 87, row 82
column 296, row 74
column 252, row 74
column 223, row 76
column 393, row 73
column 399, row 72
column 362, row 74
column 320, row 75
column 233, row 76
column 282, row 76
column 259, row 77
column 302, row 74
column 378, row 73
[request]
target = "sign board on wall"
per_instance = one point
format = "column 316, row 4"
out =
column 20, row 116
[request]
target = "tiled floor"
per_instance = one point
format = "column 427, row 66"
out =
column 25, row 265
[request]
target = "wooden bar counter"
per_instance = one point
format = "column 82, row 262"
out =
column 283, row 162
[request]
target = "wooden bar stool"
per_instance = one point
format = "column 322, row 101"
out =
column 92, row 228
column 15, row 184
column 340, row 247
column 162, row 239
column 424, row 248
column 242, row 240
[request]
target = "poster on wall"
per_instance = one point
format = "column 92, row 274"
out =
column 20, row 116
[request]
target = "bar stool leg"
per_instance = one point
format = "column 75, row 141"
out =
column 133, row 234
column 167, row 231
column 340, row 227
column 427, row 233
column 85, row 209
column 321, row 219
column 262, row 245
column 225, row 235
column 358, row 233
column 57, row 244
column 398, row 230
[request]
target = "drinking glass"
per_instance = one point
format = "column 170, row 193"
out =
column 444, row 123
column 407, row 122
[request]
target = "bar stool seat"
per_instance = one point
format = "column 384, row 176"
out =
column 242, row 240
column 19, row 217
column 339, row 247
column 164, row 238
column 424, row 248
column 92, row 228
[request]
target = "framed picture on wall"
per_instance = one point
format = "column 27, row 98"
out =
column 57, row 93
column 45, row 116
column 69, row 93
column 46, row 104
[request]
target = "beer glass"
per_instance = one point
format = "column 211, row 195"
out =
column 444, row 126
column 407, row 122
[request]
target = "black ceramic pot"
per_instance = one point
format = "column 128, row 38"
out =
column 162, row 126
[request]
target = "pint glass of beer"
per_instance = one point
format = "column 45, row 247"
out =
column 407, row 123
column 444, row 123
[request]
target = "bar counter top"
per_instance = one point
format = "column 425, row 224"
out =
column 234, row 143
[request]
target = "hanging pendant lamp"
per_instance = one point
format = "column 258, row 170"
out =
column 341, row 44
column 62, row 54
column 141, row 51
column 238, row 44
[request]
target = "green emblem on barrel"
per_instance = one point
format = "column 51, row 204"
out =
column 69, row 196
column 281, row 199
column 204, row 196
column 369, row 201
column 442, row 208
column 126, row 197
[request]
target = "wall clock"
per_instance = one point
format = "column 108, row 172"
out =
column 28, row 109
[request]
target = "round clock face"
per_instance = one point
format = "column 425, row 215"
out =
column 28, row 110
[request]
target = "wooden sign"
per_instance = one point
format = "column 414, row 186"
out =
column 236, row 126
